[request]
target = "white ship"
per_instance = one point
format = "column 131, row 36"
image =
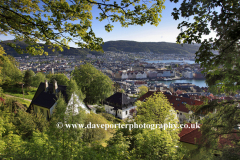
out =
column 167, row 79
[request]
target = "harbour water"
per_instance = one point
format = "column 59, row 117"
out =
column 171, row 61
column 200, row 83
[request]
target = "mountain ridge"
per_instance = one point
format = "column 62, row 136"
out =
column 117, row 46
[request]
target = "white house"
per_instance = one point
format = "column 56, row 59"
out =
column 166, row 73
column 45, row 100
column 120, row 105
column 141, row 75
column 124, row 75
column 187, row 74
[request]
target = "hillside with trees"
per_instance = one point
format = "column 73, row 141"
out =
column 117, row 46
column 155, row 47
column 71, row 51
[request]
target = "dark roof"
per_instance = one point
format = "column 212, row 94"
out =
column 184, row 95
column 47, row 99
column 119, row 100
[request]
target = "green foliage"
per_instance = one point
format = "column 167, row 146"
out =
column 17, row 91
column 73, row 88
column 60, row 78
column 122, row 91
column 116, row 86
column 66, row 51
column 28, row 123
column 109, row 117
column 21, row 137
column 221, row 68
column 10, row 74
column 24, row 122
column 155, row 109
column 52, row 22
column 152, row 144
column 143, row 90
column 93, row 83
column 28, row 78
column 219, row 57
column 100, row 110
column 155, row 144
column 37, row 79
column 95, row 134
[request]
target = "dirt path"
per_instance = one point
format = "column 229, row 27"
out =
column 18, row 97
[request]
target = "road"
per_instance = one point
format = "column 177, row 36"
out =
column 18, row 97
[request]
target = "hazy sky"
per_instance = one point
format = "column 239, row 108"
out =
column 166, row 31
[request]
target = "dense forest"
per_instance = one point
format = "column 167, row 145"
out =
column 126, row 46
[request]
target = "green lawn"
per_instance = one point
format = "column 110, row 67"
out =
column 14, row 91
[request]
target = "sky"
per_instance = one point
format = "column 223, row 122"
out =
column 166, row 31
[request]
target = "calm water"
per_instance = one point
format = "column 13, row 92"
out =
column 200, row 83
column 169, row 61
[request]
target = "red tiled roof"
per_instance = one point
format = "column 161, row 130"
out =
column 177, row 102
column 146, row 95
column 140, row 82
column 186, row 130
column 193, row 135
column 227, row 140
column 190, row 135
column 178, row 92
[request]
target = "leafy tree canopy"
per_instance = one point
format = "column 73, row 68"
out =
column 143, row 90
column 221, row 17
column 222, row 69
column 58, row 22
column 73, row 88
column 60, row 78
column 28, row 78
column 93, row 83
column 37, row 79
column 155, row 109
column 95, row 134
column 9, row 73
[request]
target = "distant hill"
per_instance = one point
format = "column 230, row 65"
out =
column 155, row 47
column 126, row 46
column 72, row 51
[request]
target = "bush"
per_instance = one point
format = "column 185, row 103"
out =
column 111, row 118
column 108, row 116
column 94, row 134
column 100, row 110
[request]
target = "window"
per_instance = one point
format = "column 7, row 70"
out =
column 41, row 110
column 180, row 113
column 126, row 112
column 184, row 102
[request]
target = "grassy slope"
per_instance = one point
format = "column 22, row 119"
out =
column 28, row 93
